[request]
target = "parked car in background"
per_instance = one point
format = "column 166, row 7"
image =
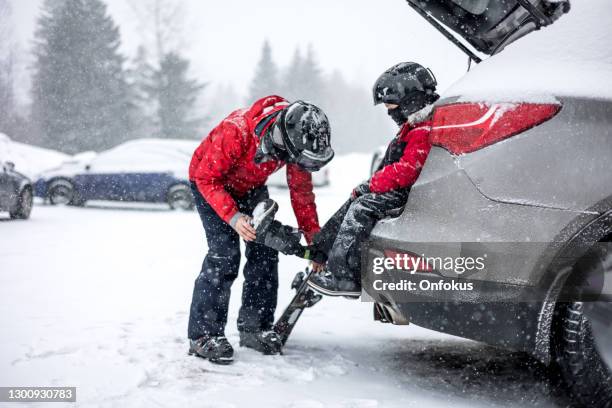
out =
column 143, row 170
column 279, row 179
column 16, row 193
column 520, row 171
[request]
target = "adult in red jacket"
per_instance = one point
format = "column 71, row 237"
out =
column 228, row 173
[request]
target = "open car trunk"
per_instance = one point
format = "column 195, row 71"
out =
column 489, row 25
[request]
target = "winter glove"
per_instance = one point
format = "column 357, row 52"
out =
column 315, row 255
column 361, row 189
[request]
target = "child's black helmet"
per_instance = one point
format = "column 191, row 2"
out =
column 407, row 84
column 306, row 135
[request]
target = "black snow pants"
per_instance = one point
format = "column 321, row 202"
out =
column 211, row 292
column 342, row 237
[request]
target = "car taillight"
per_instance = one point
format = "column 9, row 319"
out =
column 466, row 127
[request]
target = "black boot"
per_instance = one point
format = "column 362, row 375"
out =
column 328, row 284
column 263, row 215
column 283, row 238
column 272, row 233
column 267, row 342
column 214, row 348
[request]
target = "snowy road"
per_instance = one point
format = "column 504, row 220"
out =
column 97, row 298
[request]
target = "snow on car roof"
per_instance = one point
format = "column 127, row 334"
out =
column 572, row 57
column 150, row 155
column 28, row 159
column 168, row 145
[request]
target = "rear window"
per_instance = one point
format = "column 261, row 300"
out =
column 473, row 6
column 478, row 21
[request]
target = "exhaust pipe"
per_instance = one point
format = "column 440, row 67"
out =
column 387, row 314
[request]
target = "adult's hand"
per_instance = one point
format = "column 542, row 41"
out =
column 244, row 228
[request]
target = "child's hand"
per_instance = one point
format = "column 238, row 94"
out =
column 363, row 188
column 317, row 267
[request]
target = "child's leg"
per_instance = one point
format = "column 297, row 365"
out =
column 360, row 219
column 345, row 254
column 324, row 239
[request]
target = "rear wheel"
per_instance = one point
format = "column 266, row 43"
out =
column 180, row 197
column 62, row 192
column 23, row 207
column 582, row 367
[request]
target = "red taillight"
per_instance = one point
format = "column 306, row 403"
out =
column 466, row 127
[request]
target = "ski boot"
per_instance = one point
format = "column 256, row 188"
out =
column 216, row 349
column 328, row 284
column 263, row 215
column 283, row 238
column 267, row 342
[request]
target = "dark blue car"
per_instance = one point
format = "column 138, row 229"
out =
column 144, row 170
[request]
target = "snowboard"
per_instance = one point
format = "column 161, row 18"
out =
column 304, row 297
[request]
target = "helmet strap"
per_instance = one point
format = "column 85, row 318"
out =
column 268, row 149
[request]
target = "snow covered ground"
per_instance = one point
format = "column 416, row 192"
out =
column 98, row 298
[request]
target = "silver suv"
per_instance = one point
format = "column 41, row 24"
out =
column 520, row 173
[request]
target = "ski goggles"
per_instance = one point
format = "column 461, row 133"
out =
column 312, row 162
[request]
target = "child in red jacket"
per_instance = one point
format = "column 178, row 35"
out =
column 408, row 92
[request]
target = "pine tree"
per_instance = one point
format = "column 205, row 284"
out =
column 80, row 97
column 310, row 79
column 303, row 79
column 140, row 78
column 265, row 81
column 224, row 100
column 167, row 97
column 176, row 97
column 292, row 79
column 7, row 69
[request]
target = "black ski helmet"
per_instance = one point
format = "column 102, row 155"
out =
column 407, row 84
column 305, row 133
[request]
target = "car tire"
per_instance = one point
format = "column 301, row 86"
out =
column 23, row 207
column 62, row 192
column 180, row 197
column 581, row 367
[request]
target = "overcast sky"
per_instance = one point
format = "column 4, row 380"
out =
column 360, row 38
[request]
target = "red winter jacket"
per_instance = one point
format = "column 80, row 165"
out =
column 223, row 166
column 403, row 170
